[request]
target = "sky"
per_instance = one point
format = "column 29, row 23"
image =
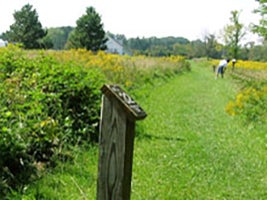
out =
column 192, row 19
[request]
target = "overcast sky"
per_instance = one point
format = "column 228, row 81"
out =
column 191, row 19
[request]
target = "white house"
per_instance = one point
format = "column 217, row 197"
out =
column 2, row 43
column 116, row 46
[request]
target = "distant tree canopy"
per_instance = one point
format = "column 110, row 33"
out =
column 89, row 32
column 261, row 28
column 27, row 29
column 155, row 46
column 211, row 46
column 59, row 36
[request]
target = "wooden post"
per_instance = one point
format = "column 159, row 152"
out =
column 116, row 142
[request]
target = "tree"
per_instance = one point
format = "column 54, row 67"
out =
column 154, row 46
column 27, row 29
column 181, row 49
column 211, row 43
column 258, row 52
column 233, row 33
column 261, row 29
column 59, row 36
column 89, row 32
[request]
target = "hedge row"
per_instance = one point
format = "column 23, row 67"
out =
column 44, row 107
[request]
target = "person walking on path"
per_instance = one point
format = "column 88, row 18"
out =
column 221, row 67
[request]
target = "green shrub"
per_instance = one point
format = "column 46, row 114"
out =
column 45, row 106
column 250, row 104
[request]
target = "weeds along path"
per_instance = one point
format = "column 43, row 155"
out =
column 189, row 148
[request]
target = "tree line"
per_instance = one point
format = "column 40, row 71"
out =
column 89, row 34
column 28, row 31
column 209, row 47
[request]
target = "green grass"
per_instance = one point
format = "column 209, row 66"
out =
column 74, row 180
column 187, row 148
column 194, row 150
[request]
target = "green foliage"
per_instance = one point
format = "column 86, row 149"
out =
column 74, row 179
column 250, row 103
column 27, row 29
column 59, row 36
column 167, row 46
column 211, row 46
column 257, row 52
column 261, row 28
column 89, row 33
column 46, row 106
column 255, row 105
column 156, row 46
column 233, row 34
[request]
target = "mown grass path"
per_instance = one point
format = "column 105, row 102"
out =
column 189, row 148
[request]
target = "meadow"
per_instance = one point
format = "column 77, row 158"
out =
column 50, row 103
column 196, row 143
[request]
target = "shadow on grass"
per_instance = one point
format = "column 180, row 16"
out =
column 141, row 134
column 156, row 137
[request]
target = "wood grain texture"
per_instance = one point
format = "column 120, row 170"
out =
column 115, row 151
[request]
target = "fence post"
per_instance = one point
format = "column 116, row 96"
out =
column 116, row 143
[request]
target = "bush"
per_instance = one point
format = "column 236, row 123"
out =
column 250, row 104
column 45, row 106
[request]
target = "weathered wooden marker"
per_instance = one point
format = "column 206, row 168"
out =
column 117, row 129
